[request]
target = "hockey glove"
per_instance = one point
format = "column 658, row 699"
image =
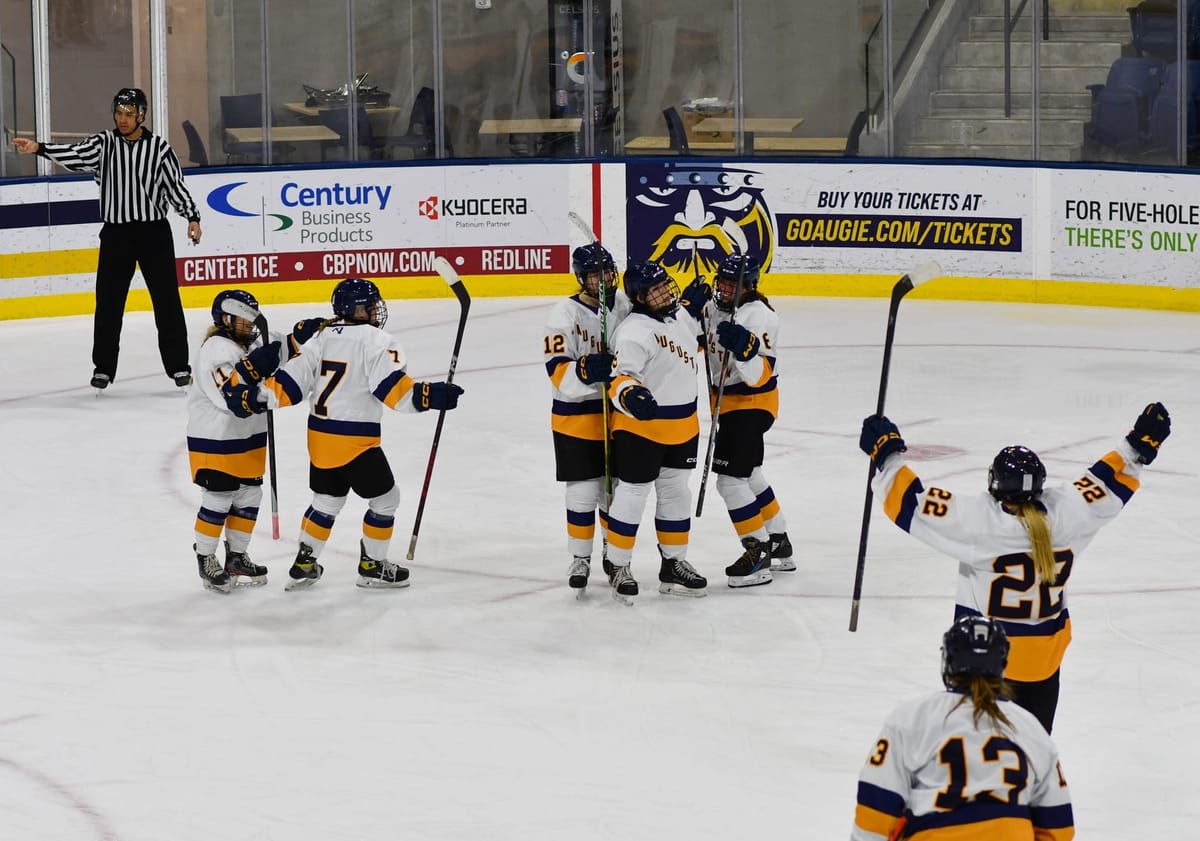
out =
column 1150, row 429
column 880, row 438
column 302, row 332
column 594, row 368
column 242, row 399
column 259, row 363
column 639, row 402
column 695, row 295
column 439, row 396
column 737, row 340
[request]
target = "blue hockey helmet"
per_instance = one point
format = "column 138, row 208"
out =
column 974, row 645
column 586, row 262
column 355, row 292
column 235, row 311
column 1016, row 475
column 642, row 278
column 744, row 266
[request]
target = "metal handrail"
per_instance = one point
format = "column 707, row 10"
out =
column 1010, row 23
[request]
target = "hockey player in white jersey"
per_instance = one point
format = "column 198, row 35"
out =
column 966, row 762
column 742, row 333
column 348, row 371
column 655, row 431
column 227, row 446
column 579, row 365
column 1016, row 543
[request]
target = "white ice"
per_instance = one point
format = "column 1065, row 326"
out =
column 486, row 702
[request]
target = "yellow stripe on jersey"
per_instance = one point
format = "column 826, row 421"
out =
column 400, row 390
column 1033, row 658
column 997, row 829
column 873, row 820
column 589, row 427
column 560, row 371
column 1114, row 461
column 768, row 401
column 1041, row 833
column 893, row 505
column 660, row 430
column 245, row 465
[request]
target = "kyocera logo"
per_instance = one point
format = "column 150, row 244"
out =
column 434, row 207
column 219, row 200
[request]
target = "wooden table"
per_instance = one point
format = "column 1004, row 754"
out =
column 538, row 125
column 284, row 134
column 751, row 125
column 314, row 111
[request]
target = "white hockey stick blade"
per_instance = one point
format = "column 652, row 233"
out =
column 442, row 266
column 582, row 225
column 924, row 272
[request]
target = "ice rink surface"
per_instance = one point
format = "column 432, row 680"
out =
column 485, row 701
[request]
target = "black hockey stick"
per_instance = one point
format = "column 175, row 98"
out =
column 920, row 274
column 716, row 406
column 261, row 323
column 442, row 266
column 603, row 290
column 703, row 325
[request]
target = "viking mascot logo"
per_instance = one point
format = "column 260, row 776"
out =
column 688, row 218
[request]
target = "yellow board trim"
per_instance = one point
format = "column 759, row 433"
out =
column 1009, row 290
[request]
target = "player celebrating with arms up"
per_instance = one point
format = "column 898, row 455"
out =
column 580, row 368
column 1016, row 543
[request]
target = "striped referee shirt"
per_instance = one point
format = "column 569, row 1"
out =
column 140, row 181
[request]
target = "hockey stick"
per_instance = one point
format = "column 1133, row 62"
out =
column 703, row 326
column 442, row 266
column 603, row 290
column 917, row 276
column 261, row 323
column 716, row 408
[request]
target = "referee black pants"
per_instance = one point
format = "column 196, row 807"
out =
column 151, row 246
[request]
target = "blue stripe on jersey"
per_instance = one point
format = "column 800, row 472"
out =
column 217, row 518
column 880, row 799
column 1053, row 817
column 378, row 520
column 685, row 410
column 581, row 518
column 623, row 529
column 742, row 388
column 322, row 520
column 552, row 364
column 673, row 525
column 238, row 445
column 381, row 391
column 1014, row 629
column 908, row 504
column 1105, row 474
column 583, row 407
column 341, row 427
column 970, row 813
column 294, row 395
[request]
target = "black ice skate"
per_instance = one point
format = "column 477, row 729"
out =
column 676, row 577
column 182, row 378
column 100, row 381
column 753, row 567
column 781, row 554
column 624, row 587
column 305, row 570
column 372, row 573
column 213, row 575
column 243, row 571
column 577, row 575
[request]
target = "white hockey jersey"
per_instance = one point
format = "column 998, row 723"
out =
column 348, row 373
column 574, row 330
column 660, row 354
column 956, row 782
column 752, row 384
column 996, row 576
column 217, row 438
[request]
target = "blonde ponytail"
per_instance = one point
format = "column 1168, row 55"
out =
column 1033, row 518
column 985, row 694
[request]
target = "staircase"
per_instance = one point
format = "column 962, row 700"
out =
column 966, row 113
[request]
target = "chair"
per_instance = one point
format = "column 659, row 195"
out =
column 1121, row 106
column 338, row 120
column 241, row 111
column 1164, row 113
column 856, row 130
column 196, row 153
column 1154, row 26
column 676, row 131
column 419, row 137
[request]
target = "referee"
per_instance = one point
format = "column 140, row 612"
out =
column 140, row 181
